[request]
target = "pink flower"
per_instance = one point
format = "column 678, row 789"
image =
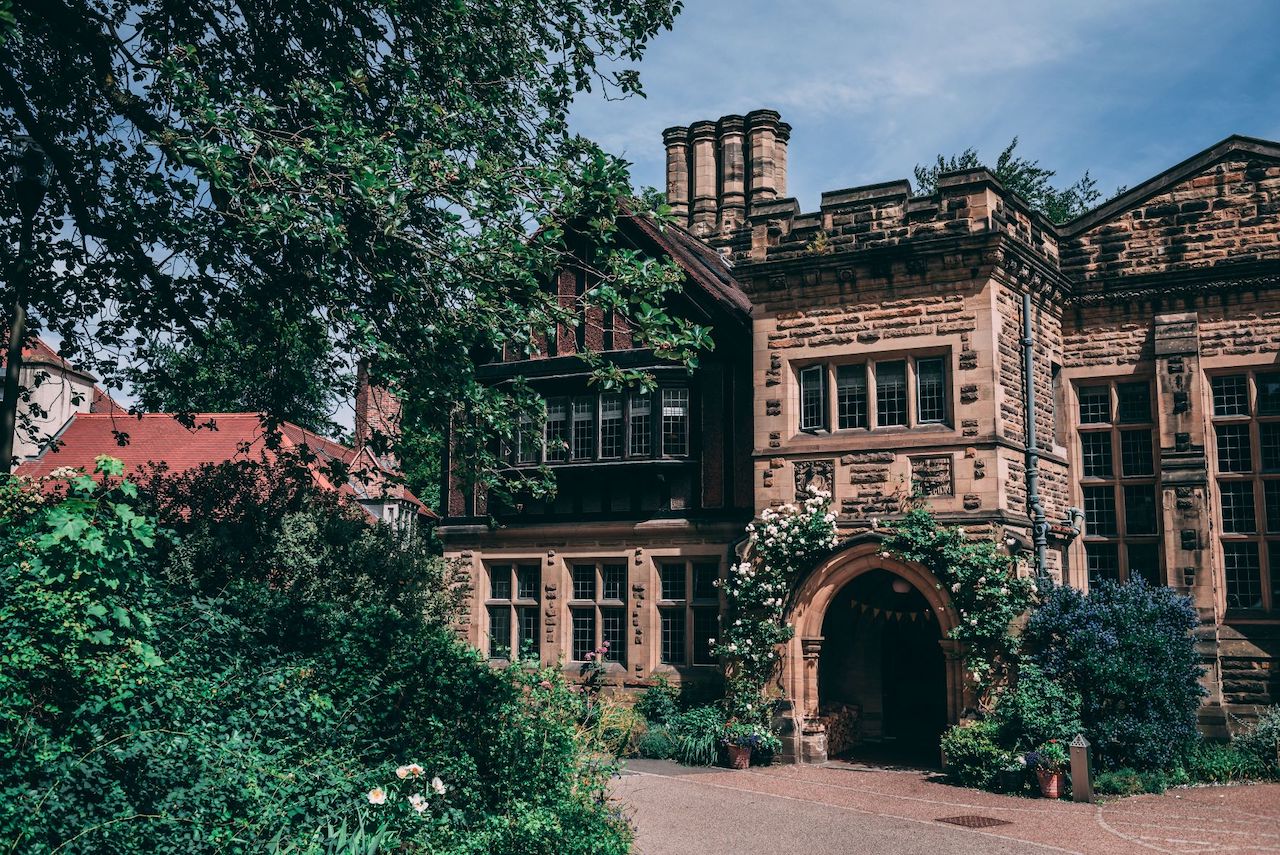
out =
column 546, row 684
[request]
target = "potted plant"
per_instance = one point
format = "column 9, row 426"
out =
column 741, row 739
column 1013, row 775
column 1050, row 762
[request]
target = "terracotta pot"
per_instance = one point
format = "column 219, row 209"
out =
column 739, row 756
column 1050, row 783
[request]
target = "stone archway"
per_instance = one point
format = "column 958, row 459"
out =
column 804, row 736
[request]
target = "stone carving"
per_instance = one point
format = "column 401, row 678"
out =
column 932, row 475
column 815, row 474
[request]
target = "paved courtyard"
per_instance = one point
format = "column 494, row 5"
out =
column 842, row 810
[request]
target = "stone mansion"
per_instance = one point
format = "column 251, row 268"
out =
column 873, row 347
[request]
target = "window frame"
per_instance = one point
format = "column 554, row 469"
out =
column 561, row 446
column 515, row 606
column 827, row 375
column 685, row 611
column 1125, row 543
column 599, row 607
column 1255, row 480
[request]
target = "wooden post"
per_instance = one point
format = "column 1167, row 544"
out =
column 1081, row 770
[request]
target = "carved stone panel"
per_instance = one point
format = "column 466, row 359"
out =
column 818, row 474
column 933, row 476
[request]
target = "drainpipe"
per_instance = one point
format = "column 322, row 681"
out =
column 1039, row 525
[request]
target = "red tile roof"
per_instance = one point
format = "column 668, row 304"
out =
column 159, row 438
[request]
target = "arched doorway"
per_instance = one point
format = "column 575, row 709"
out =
column 881, row 672
column 890, row 660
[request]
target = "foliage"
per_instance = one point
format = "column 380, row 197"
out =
column 229, row 368
column 1220, row 763
column 1025, row 177
column 1036, row 709
column 1050, row 756
column 1261, row 742
column 973, row 756
column 780, row 547
column 343, row 838
column 655, row 744
column 982, row 582
column 1129, row 782
column 751, row 735
column 1127, row 651
column 264, row 521
column 137, row 716
column 695, row 735
column 400, row 177
column 660, row 702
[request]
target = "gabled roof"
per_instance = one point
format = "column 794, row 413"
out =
column 159, row 438
column 39, row 353
column 701, row 263
column 1174, row 175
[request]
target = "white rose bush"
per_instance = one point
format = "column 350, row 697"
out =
column 781, row 545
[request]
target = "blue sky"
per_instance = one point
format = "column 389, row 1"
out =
column 1123, row 89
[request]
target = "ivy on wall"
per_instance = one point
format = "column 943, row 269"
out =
column 982, row 581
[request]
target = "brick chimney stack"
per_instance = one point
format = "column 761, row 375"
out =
column 716, row 171
column 377, row 421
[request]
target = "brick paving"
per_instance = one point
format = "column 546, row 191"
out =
column 885, row 803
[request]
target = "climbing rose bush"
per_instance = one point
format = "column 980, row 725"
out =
column 781, row 545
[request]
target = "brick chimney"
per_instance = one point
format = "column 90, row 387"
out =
column 377, row 422
column 716, row 171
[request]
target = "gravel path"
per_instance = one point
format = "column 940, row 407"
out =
column 821, row 810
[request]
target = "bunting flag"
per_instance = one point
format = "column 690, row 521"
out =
column 881, row 613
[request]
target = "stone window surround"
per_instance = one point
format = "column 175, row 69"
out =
column 910, row 356
column 1265, row 541
column 513, row 602
column 599, row 606
column 1121, row 540
column 688, row 606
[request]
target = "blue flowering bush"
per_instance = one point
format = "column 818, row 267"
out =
column 1127, row 651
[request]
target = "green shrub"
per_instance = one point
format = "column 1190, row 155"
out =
column 1218, row 763
column 1261, row 742
column 1036, row 710
column 1129, row 782
column 1119, row 782
column 660, row 702
column 695, row 735
column 655, row 744
column 1127, row 651
column 161, row 718
column 974, row 759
